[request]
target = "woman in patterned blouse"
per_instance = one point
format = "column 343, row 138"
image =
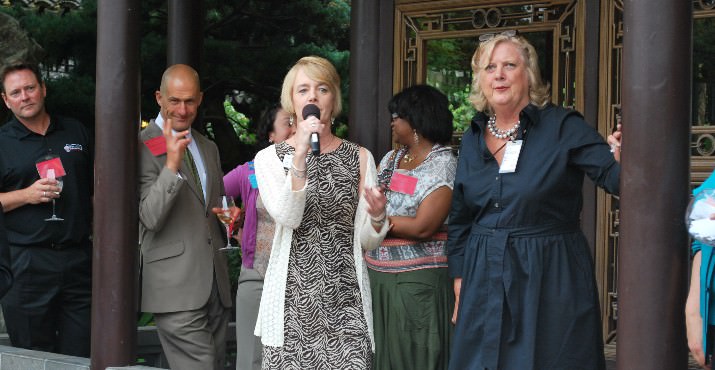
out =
column 411, row 289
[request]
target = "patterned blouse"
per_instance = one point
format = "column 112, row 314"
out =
column 399, row 255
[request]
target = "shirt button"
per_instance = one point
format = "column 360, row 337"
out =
column 496, row 205
column 496, row 178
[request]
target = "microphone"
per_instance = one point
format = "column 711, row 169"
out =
column 313, row 110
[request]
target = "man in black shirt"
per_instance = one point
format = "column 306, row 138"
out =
column 5, row 273
column 48, row 306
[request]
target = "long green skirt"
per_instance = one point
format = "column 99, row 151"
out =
column 412, row 314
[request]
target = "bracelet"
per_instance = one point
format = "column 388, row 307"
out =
column 293, row 167
column 299, row 174
column 378, row 220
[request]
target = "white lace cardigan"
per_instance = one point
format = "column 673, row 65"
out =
column 286, row 207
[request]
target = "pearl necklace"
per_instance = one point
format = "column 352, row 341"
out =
column 499, row 133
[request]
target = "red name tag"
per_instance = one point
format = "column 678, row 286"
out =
column 402, row 183
column 54, row 163
column 156, row 145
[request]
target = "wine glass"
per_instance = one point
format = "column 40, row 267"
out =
column 226, row 214
column 51, row 176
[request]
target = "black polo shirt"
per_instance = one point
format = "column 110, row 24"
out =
column 20, row 148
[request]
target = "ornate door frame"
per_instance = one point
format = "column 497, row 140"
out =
column 702, row 151
column 418, row 21
column 608, row 220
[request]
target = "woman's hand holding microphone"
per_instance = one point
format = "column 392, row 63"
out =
column 303, row 131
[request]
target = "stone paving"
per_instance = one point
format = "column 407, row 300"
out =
column 610, row 351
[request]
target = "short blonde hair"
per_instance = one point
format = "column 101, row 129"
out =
column 538, row 91
column 318, row 69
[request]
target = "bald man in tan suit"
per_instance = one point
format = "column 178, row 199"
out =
column 185, row 280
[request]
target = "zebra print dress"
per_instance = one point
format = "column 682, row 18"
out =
column 325, row 325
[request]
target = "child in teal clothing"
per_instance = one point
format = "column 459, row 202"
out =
column 700, row 298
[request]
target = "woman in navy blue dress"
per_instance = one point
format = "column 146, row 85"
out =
column 524, row 277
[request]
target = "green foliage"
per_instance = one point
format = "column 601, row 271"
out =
column 68, row 39
column 341, row 130
column 249, row 45
column 450, row 54
column 704, row 49
column 72, row 96
column 234, row 267
column 146, row 319
column 239, row 122
column 63, row 37
column 703, row 71
column 449, row 70
column 461, row 108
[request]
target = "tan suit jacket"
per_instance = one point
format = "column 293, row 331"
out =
column 179, row 234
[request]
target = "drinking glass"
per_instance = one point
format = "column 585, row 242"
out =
column 51, row 176
column 227, row 217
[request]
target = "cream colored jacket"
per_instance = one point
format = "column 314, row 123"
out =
column 286, row 207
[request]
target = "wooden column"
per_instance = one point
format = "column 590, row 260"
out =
column 653, row 254
column 371, row 45
column 185, row 34
column 114, row 275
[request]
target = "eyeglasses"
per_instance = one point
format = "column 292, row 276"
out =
column 488, row 36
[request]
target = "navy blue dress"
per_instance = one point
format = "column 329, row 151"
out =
column 528, row 297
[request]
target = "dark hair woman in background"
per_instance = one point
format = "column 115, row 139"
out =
column 256, row 236
column 412, row 299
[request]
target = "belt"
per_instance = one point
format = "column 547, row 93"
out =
column 501, row 289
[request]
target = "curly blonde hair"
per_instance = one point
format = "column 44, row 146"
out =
column 317, row 69
column 539, row 94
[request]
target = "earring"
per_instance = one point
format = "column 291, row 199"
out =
column 415, row 137
column 290, row 121
column 332, row 120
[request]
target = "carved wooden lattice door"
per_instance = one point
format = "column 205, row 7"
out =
column 435, row 40
column 702, row 133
